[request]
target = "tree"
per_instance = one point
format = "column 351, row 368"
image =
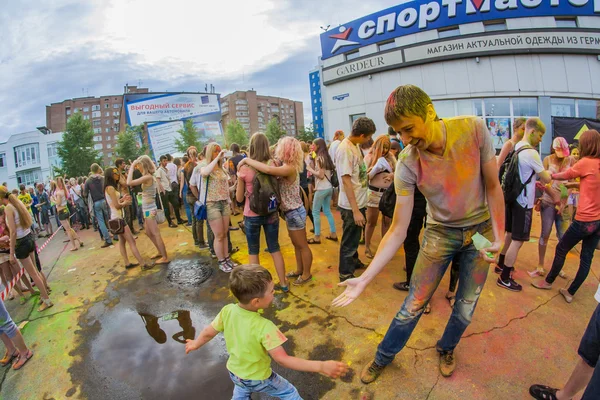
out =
column 306, row 134
column 127, row 146
column 76, row 148
column 274, row 131
column 189, row 137
column 235, row 133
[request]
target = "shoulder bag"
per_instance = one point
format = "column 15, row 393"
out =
column 200, row 211
column 160, row 213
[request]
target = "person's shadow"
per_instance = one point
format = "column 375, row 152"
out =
column 153, row 328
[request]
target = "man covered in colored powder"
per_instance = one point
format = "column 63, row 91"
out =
column 452, row 163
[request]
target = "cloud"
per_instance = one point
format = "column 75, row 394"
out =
column 52, row 51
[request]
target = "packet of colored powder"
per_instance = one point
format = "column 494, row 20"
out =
column 564, row 193
column 480, row 242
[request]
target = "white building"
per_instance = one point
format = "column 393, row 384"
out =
column 28, row 158
column 498, row 59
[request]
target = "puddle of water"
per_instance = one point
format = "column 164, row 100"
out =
column 189, row 273
column 147, row 352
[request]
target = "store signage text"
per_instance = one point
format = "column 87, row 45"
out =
column 362, row 66
column 341, row 97
column 410, row 18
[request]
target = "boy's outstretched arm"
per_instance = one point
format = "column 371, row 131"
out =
column 332, row 369
column 204, row 337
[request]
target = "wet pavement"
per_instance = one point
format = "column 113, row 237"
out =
column 120, row 334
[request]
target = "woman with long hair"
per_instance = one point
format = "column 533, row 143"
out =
column 322, row 171
column 290, row 153
column 586, row 225
column 183, row 187
column 116, row 204
column 307, row 181
column 380, row 169
column 61, row 198
column 149, row 208
column 215, row 190
column 192, row 197
column 22, row 244
column 259, row 151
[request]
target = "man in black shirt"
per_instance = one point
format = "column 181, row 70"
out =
column 95, row 187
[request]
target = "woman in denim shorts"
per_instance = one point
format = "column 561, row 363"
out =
column 258, row 151
column 215, row 190
column 289, row 152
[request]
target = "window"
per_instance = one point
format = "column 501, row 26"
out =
column 109, row 155
column 566, row 22
column 108, row 146
column 76, row 110
column 2, row 160
column 97, row 130
column 497, row 106
column 52, row 150
column 27, row 155
column 68, row 111
column 106, row 105
column 106, row 130
column 96, row 114
column 387, row 46
column 562, row 107
column 588, row 109
column 97, row 138
column 98, row 146
column 116, row 105
column 354, row 117
column 96, row 108
column 352, row 56
column 241, row 101
column 86, row 109
column 107, row 122
column 116, row 120
column 96, row 122
column 116, row 113
column 525, row 106
column 448, row 32
column 244, row 119
column 444, row 108
column 491, row 26
column 28, row 178
column 116, row 137
column 107, row 114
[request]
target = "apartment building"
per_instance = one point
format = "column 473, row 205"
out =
column 255, row 111
column 105, row 113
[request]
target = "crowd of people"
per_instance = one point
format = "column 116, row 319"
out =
column 440, row 175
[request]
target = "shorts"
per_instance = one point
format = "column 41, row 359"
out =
column 24, row 246
column 150, row 212
column 270, row 225
column 217, row 209
column 63, row 214
column 296, row 219
column 518, row 221
column 44, row 216
column 374, row 199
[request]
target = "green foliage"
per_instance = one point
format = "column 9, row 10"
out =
column 274, row 131
column 189, row 137
column 76, row 148
column 127, row 144
column 235, row 133
column 306, row 134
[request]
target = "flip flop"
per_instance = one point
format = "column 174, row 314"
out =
column 300, row 281
column 8, row 358
column 293, row 274
column 333, row 239
column 155, row 257
column 28, row 356
column 313, row 241
column 162, row 263
column 132, row 265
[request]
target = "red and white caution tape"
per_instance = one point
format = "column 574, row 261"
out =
column 12, row 283
column 48, row 240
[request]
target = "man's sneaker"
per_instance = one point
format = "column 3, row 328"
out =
column 105, row 245
column 213, row 255
column 447, row 363
column 510, row 284
column 370, row 372
column 346, row 277
column 223, row 266
column 203, row 245
column 498, row 269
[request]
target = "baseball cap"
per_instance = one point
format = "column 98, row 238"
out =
column 561, row 147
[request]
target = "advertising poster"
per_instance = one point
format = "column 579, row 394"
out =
column 499, row 129
column 171, row 107
column 161, row 137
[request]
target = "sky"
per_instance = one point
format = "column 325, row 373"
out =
column 62, row 49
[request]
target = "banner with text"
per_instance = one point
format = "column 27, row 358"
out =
column 161, row 137
column 170, row 107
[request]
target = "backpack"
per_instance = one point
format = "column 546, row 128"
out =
column 388, row 201
column 510, row 179
column 265, row 198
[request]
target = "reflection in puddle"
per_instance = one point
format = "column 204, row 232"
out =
column 152, row 324
column 147, row 353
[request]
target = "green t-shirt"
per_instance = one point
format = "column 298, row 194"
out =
column 248, row 337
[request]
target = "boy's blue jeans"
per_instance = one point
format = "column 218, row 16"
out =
column 440, row 245
column 274, row 386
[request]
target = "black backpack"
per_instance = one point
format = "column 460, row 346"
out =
column 509, row 176
column 265, row 198
column 388, row 201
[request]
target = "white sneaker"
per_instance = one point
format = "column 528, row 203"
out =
column 223, row 266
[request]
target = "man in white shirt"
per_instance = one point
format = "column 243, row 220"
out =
column 166, row 193
column 338, row 136
column 171, row 169
column 519, row 213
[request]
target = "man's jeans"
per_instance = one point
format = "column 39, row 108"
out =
column 274, row 386
column 170, row 197
column 349, row 245
column 589, row 351
column 440, row 245
column 589, row 234
column 101, row 214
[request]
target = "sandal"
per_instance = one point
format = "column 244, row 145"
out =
column 313, row 241
column 368, row 254
column 80, row 244
column 541, row 392
column 403, row 286
column 451, row 299
column 46, row 305
column 8, row 358
column 129, row 266
column 293, row 274
column 427, row 309
column 75, row 249
column 22, row 360
column 146, row 267
column 333, row 239
column 300, row 281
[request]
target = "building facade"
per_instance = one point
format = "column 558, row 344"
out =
column 30, row 157
column 105, row 113
column 316, row 102
column 497, row 59
column 255, row 111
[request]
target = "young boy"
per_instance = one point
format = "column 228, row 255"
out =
column 250, row 339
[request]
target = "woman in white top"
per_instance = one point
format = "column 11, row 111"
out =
column 380, row 169
column 149, row 190
column 77, row 197
column 322, row 171
column 60, row 198
column 22, row 244
column 116, row 204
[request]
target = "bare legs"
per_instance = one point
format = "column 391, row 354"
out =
column 127, row 236
column 279, row 265
column 580, row 377
column 372, row 217
column 304, row 256
column 154, row 235
column 39, row 279
column 71, row 234
column 220, row 227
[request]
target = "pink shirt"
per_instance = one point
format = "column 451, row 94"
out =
column 588, row 169
column 247, row 175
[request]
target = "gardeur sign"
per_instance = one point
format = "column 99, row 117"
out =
column 416, row 16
